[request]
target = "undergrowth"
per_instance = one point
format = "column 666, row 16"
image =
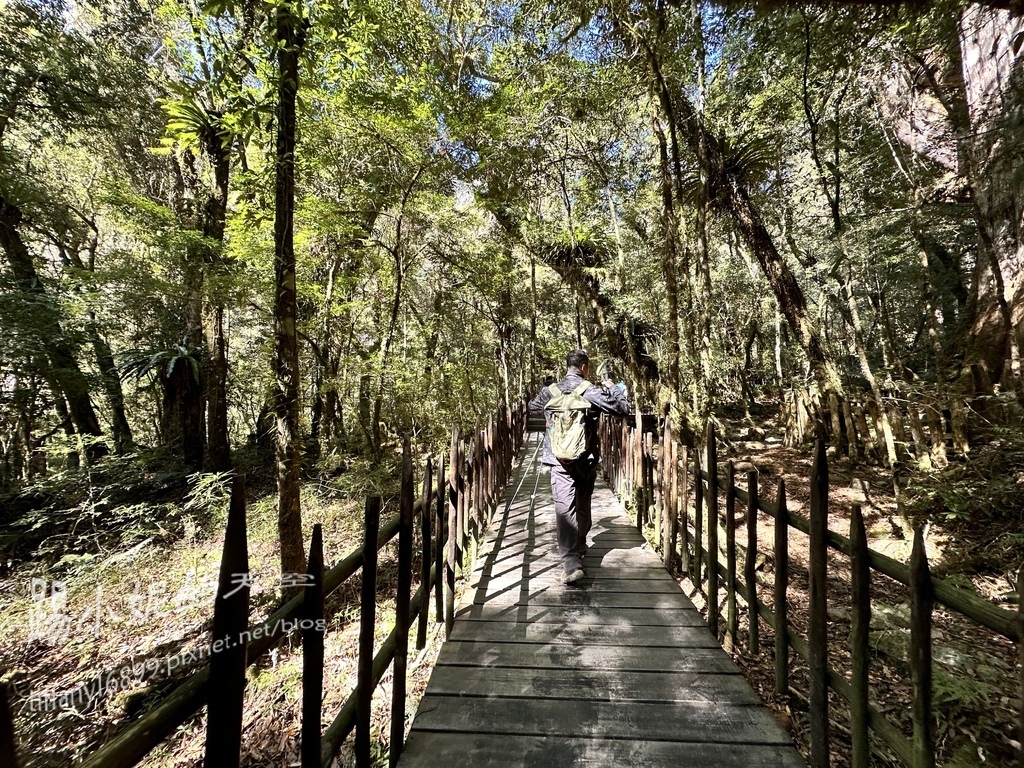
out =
column 979, row 505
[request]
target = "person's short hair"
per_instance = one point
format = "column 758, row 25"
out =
column 577, row 359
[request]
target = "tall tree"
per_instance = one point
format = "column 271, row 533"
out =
column 289, row 33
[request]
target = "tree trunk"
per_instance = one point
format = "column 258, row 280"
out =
column 289, row 36
column 214, row 219
column 669, row 259
column 991, row 64
column 63, row 365
column 60, row 405
column 729, row 196
column 706, row 402
column 120, row 430
column 181, row 420
column 831, row 184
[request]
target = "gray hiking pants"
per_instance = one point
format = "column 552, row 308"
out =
column 572, row 487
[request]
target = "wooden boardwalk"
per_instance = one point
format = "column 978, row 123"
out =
column 619, row 670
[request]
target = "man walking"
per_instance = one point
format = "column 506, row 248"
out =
column 572, row 480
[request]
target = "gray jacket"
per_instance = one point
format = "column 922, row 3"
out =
column 602, row 400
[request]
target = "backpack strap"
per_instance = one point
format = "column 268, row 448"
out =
column 555, row 391
column 582, row 387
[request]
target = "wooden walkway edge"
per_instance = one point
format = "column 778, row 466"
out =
column 619, row 670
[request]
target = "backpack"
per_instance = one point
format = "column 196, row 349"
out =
column 566, row 413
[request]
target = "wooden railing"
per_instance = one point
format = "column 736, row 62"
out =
column 452, row 510
column 654, row 478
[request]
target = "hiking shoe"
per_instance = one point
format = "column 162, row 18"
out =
column 573, row 577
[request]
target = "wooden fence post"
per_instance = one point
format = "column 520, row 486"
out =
column 8, row 743
column 367, row 620
column 682, row 492
column 453, row 535
column 476, row 487
column 662, row 488
column 439, row 518
column 860, row 597
column 712, row 531
column 230, row 639
column 750, row 564
column 491, row 473
column 698, row 523
column 648, row 477
column 398, row 684
column 1020, row 660
column 817, row 633
column 426, row 551
column 463, row 480
column 921, row 653
column 313, row 651
column 673, row 508
column 781, row 584
column 731, row 619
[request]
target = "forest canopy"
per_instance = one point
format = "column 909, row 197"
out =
column 311, row 228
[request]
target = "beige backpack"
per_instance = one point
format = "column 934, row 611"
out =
column 566, row 413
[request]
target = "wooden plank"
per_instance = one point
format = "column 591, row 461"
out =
column 492, row 589
column 679, row 721
column 559, row 656
column 679, row 616
column 592, row 685
column 550, row 573
column 501, row 632
column 562, row 596
column 436, row 750
column 633, row 556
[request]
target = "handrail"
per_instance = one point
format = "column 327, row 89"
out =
column 650, row 479
column 480, row 468
column 132, row 744
column 991, row 616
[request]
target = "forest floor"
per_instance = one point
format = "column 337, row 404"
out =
column 91, row 641
column 974, row 680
